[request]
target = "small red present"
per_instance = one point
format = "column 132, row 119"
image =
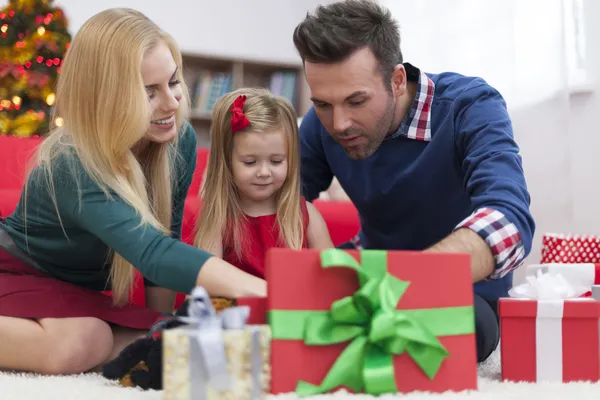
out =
column 552, row 335
column 370, row 321
column 574, row 249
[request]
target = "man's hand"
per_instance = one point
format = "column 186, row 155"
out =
column 466, row 241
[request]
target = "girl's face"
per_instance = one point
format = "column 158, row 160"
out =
column 259, row 163
column 159, row 73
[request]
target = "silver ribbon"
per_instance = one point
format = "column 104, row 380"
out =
column 596, row 292
column 208, row 362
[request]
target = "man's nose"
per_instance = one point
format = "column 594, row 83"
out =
column 341, row 120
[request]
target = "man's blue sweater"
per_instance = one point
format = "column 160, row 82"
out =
column 412, row 193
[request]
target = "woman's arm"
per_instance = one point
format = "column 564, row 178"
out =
column 317, row 235
column 166, row 261
column 221, row 279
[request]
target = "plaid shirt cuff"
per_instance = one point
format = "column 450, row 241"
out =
column 501, row 235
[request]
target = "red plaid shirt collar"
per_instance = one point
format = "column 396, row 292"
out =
column 417, row 123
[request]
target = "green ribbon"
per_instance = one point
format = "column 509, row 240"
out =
column 375, row 329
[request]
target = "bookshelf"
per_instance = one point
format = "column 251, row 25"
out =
column 208, row 78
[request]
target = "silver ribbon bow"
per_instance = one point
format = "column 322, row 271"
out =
column 207, row 347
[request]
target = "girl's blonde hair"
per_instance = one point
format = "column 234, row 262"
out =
column 221, row 211
column 103, row 103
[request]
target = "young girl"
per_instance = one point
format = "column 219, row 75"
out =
column 251, row 198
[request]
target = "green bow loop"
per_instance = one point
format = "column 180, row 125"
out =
column 397, row 332
column 377, row 330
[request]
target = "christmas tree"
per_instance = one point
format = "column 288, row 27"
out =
column 33, row 41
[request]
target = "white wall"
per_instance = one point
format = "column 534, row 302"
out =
column 561, row 149
column 253, row 29
column 583, row 134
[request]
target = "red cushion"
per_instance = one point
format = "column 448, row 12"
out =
column 341, row 218
column 15, row 154
column 9, row 198
column 190, row 212
column 201, row 163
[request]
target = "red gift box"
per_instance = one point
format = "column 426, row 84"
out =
column 550, row 340
column 301, row 287
column 574, row 249
column 258, row 309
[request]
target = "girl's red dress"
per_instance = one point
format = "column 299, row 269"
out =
column 259, row 235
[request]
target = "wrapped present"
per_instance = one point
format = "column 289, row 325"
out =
column 573, row 249
column 370, row 321
column 548, row 332
column 216, row 356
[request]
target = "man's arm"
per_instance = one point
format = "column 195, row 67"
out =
column 499, row 232
column 314, row 169
column 467, row 241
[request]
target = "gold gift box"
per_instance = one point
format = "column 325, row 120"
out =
column 243, row 348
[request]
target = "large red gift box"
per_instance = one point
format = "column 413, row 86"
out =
column 550, row 340
column 436, row 304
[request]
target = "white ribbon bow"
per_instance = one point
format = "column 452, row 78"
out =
column 555, row 281
column 208, row 346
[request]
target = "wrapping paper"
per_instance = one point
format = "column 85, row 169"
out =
column 548, row 332
column 561, row 248
column 182, row 365
column 216, row 356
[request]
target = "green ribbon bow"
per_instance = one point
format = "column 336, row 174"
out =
column 377, row 330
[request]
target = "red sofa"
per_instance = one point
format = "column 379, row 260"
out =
column 341, row 217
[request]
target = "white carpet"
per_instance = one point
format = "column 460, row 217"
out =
column 94, row 387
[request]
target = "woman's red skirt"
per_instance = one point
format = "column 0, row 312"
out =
column 28, row 293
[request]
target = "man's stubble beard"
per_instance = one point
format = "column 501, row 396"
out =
column 382, row 129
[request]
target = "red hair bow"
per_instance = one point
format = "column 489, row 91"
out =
column 239, row 121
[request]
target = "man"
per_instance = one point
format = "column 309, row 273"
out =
column 429, row 161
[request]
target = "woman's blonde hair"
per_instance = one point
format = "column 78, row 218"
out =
column 103, row 103
column 221, row 211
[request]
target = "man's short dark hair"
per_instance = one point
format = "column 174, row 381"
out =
column 335, row 31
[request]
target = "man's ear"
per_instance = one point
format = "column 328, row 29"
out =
column 399, row 80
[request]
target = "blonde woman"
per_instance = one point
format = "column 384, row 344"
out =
column 105, row 198
column 251, row 199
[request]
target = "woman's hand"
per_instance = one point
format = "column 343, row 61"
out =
column 221, row 279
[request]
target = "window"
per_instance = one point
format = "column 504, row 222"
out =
column 575, row 46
